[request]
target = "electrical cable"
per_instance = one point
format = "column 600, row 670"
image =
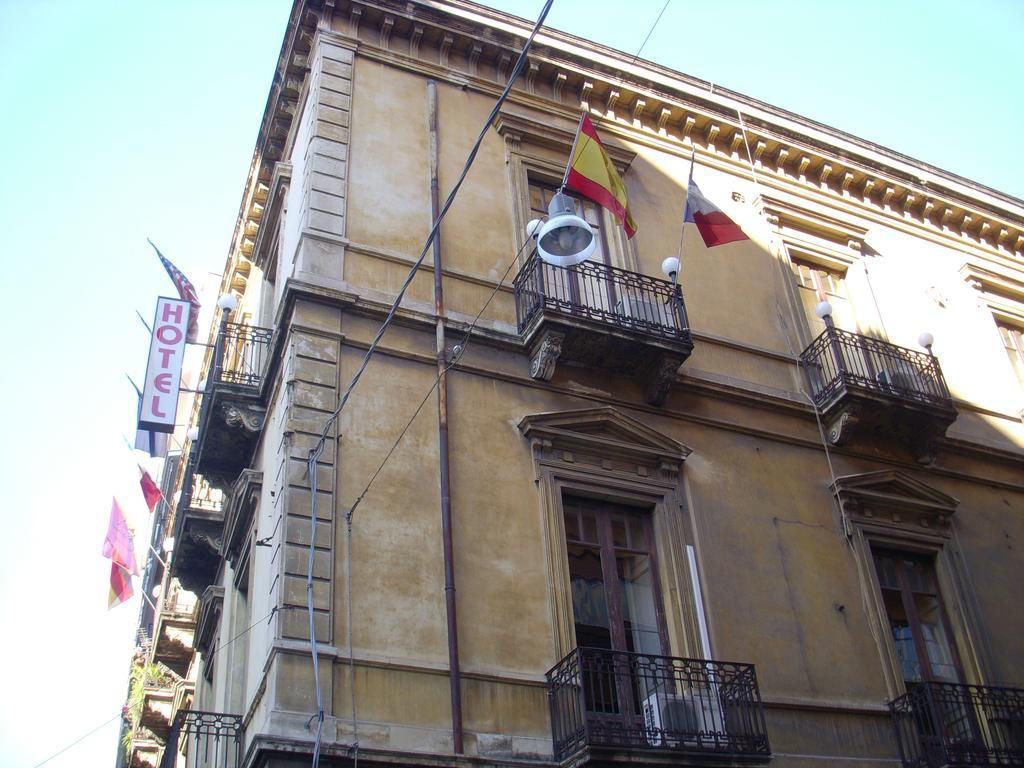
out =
column 317, row 450
column 120, row 714
column 651, row 32
column 79, row 740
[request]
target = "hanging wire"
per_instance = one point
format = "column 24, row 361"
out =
column 651, row 32
column 317, row 450
column 121, row 713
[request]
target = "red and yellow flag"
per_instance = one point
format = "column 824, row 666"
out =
column 120, row 586
column 592, row 173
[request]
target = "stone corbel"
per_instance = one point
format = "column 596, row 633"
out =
column 446, row 49
column 414, row 40
column 531, row 76
column 585, row 91
column 385, row 31
column 658, row 380
column 638, row 110
column 688, row 125
column 545, row 355
column 248, row 417
column 663, row 118
column 556, row 90
column 840, row 428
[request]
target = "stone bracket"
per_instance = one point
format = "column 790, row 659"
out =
column 544, row 355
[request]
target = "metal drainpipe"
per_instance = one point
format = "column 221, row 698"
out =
column 454, row 677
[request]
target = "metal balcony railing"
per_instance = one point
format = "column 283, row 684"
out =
column 838, row 359
column 209, row 739
column 629, row 701
column 605, row 294
column 242, row 354
column 948, row 724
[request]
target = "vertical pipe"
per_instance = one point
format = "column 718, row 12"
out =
column 454, row 677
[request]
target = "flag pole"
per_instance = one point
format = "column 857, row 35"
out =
column 686, row 205
column 572, row 152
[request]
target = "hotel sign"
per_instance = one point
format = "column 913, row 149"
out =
column 163, row 373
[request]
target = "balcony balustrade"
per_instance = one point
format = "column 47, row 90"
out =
column 208, row 739
column 233, row 408
column 870, row 388
column 603, row 317
column 655, row 707
column 948, row 724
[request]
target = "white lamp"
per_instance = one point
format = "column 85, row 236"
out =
column 823, row 310
column 193, row 434
column 565, row 239
column 201, row 386
column 157, row 590
column 168, row 545
column 926, row 339
column 670, row 267
column 228, row 302
column 532, row 227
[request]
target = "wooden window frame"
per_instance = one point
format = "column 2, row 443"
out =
column 889, row 510
column 625, row 463
column 906, row 593
column 537, row 151
column 604, row 512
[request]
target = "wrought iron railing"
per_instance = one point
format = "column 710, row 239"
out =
column 243, row 352
column 838, row 359
column 209, row 739
column 639, row 701
column 597, row 292
column 948, row 724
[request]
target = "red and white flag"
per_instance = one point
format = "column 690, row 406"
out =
column 119, row 545
column 715, row 227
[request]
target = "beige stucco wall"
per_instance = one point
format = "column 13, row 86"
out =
column 781, row 586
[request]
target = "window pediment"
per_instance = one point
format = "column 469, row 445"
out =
column 894, row 498
column 605, row 437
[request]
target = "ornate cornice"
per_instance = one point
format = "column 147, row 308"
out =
column 473, row 47
column 638, row 101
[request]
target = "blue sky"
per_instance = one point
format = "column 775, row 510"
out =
column 132, row 120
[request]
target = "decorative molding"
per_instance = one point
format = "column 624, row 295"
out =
column 445, row 50
column 661, row 377
column 556, row 91
column 414, row 40
column 545, row 356
column 385, row 30
column 605, row 432
column 893, row 498
column 239, row 512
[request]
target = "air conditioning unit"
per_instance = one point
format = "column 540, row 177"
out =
column 645, row 310
column 671, row 719
column 903, row 381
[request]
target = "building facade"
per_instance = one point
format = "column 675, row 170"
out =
column 591, row 515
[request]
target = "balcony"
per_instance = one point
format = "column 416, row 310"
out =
column 233, row 409
column 175, row 630
column 603, row 317
column 198, row 532
column 610, row 706
column 947, row 724
column 210, row 739
column 868, row 389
